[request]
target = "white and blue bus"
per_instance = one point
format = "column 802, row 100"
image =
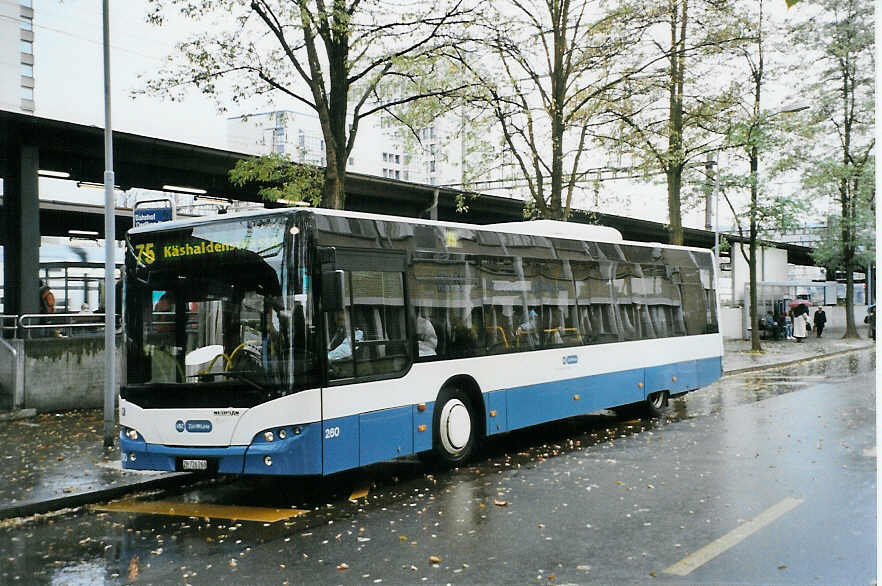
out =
column 310, row 341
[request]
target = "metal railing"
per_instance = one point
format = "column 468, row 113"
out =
column 61, row 325
column 8, row 325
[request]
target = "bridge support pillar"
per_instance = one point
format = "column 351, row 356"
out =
column 21, row 224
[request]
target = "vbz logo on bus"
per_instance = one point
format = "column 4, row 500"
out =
column 196, row 426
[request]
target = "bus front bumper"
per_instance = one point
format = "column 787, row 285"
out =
column 297, row 454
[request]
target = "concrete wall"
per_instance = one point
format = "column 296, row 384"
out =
column 65, row 373
column 730, row 322
column 836, row 317
column 731, row 325
column 771, row 266
column 11, row 372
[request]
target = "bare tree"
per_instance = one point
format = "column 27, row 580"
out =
column 675, row 114
column 541, row 69
column 346, row 60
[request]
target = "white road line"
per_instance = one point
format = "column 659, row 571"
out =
column 685, row 566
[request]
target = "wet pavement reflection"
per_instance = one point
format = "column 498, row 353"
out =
column 599, row 488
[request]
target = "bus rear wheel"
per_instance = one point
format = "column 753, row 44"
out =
column 655, row 405
column 455, row 431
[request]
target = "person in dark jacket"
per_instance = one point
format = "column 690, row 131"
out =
column 820, row 319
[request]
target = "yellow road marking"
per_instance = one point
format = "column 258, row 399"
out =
column 359, row 493
column 734, row 537
column 260, row 514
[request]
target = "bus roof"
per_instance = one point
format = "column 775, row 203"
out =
column 547, row 228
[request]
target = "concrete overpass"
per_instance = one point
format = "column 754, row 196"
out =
column 29, row 143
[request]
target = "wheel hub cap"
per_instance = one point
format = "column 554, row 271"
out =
column 456, row 426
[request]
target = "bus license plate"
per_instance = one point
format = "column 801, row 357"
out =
column 194, row 464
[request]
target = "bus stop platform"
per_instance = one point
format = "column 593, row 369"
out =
column 55, row 461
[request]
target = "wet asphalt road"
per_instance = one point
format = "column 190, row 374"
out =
column 764, row 478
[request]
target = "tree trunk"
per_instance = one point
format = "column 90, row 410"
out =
column 558, row 96
column 847, row 198
column 754, row 311
column 848, row 265
column 675, row 227
column 674, row 164
column 754, row 195
column 334, row 128
column 333, row 195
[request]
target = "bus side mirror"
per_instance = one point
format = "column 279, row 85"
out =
column 332, row 291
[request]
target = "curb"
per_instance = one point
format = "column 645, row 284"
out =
column 18, row 414
column 87, row 498
column 792, row 362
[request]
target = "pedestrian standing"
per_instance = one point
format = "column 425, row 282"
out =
column 47, row 305
column 820, row 319
column 800, row 326
column 47, row 298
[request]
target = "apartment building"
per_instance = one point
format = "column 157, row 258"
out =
column 381, row 147
column 17, row 55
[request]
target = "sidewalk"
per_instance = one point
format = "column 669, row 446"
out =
column 738, row 357
column 54, row 461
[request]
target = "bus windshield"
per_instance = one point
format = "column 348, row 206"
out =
column 217, row 304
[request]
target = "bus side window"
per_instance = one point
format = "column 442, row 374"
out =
column 378, row 312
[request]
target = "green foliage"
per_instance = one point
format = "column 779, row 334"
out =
column 839, row 43
column 860, row 226
column 279, row 178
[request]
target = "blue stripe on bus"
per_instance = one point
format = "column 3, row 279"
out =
column 384, row 435
column 540, row 403
column 357, row 440
column 422, row 440
column 340, row 444
column 534, row 404
column 297, row 454
column 160, row 457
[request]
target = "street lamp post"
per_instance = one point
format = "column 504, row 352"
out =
column 109, row 250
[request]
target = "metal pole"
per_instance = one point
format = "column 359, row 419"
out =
column 716, row 194
column 109, row 251
column 709, row 187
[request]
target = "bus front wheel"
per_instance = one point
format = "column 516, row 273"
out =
column 455, row 431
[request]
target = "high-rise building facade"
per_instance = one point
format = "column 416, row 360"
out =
column 17, row 55
column 380, row 148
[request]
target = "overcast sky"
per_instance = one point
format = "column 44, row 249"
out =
column 69, row 71
column 69, row 78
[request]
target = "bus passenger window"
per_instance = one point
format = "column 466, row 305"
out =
column 378, row 312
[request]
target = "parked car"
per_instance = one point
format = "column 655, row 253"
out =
column 870, row 320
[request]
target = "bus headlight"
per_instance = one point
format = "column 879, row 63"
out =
column 268, row 461
column 283, row 434
column 132, row 434
column 268, row 436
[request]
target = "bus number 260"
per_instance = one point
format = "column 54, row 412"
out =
column 332, row 432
